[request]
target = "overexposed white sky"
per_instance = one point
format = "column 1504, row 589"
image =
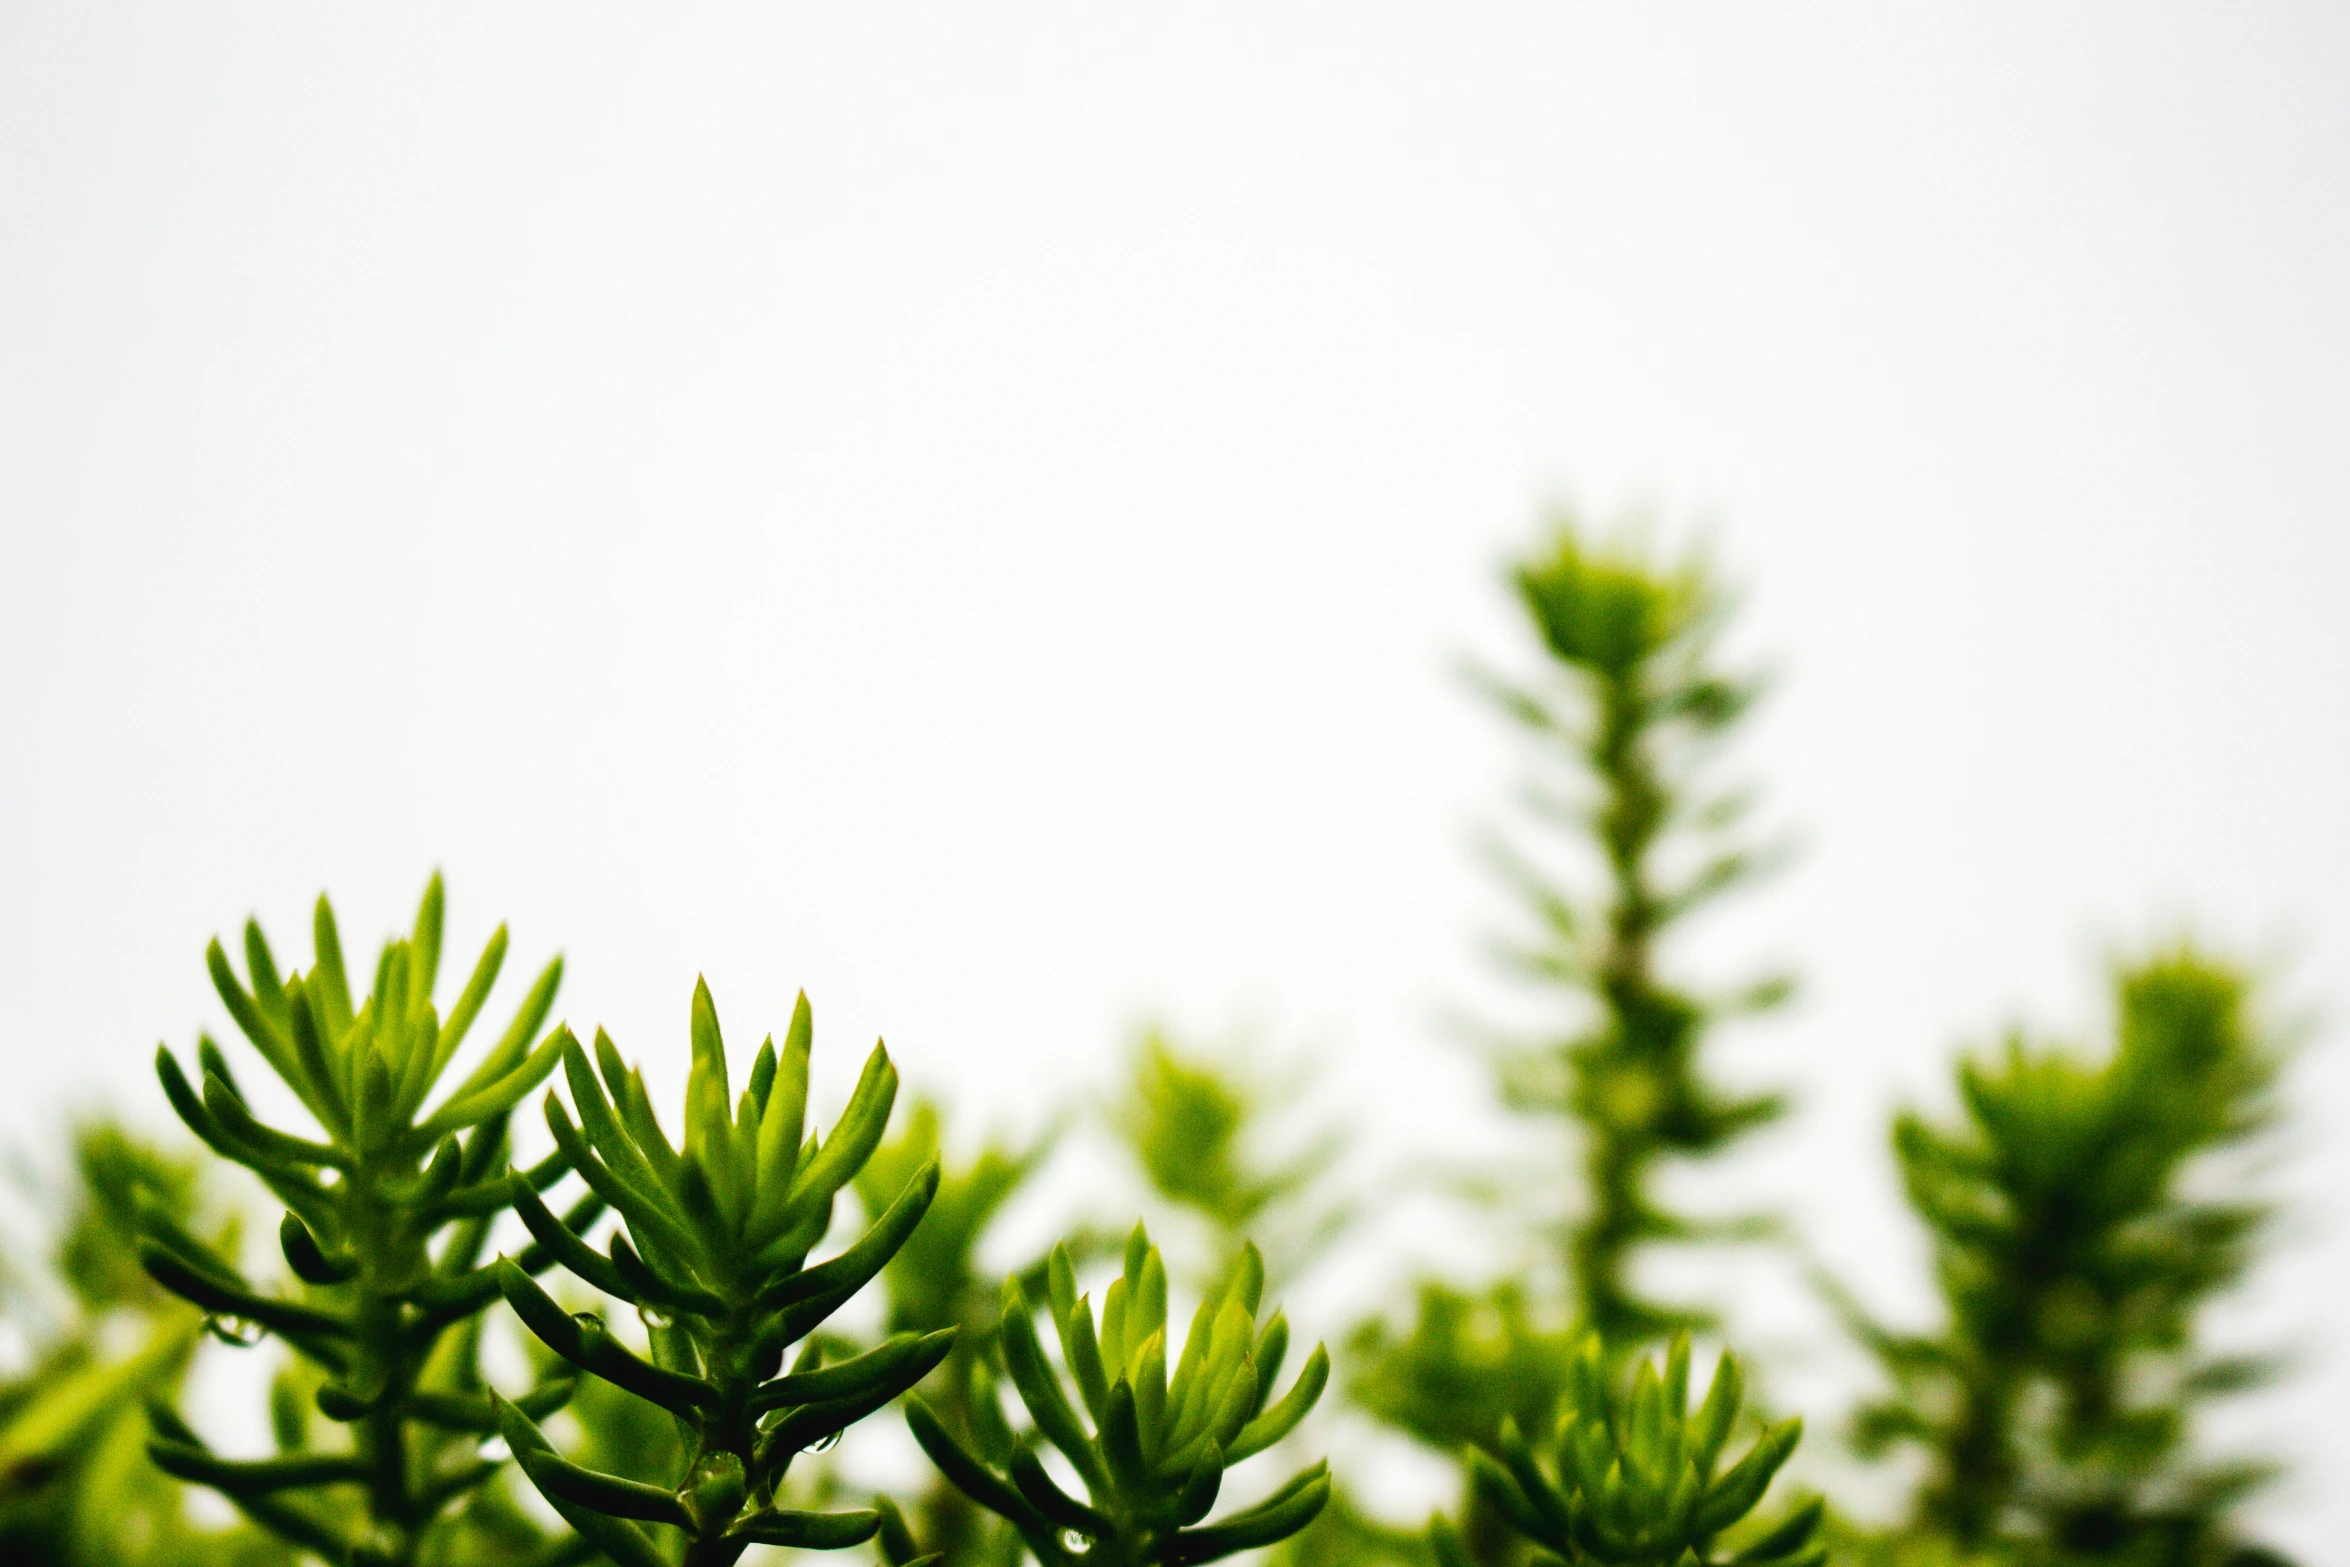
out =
column 972, row 510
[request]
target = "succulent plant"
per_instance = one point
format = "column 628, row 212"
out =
column 2083, row 1218
column 1152, row 1445
column 387, row 1213
column 1636, row 1480
column 713, row 1255
column 1630, row 713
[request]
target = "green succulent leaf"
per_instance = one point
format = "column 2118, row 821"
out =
column 969, row 1473
column 1272, row 1520
column 616, row 1537
column 253, row 1477
column 311, row 1262
column 896, row 1364
column 587, row 1343
column 810, row 1531
column 305, row 1327
column 1283, row 1418
column 565, row 1246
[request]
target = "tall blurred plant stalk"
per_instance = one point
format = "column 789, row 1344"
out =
column 1629, row 717
column 1629, row 837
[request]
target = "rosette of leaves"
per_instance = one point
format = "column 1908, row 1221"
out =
column 387, row 1212
column 1636, row 1480
column 1153, row 1443
column 712, row 1254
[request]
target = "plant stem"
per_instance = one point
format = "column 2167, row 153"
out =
column 390, row 1258
column 1617, row 1150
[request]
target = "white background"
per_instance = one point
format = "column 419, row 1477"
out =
column 974, row 514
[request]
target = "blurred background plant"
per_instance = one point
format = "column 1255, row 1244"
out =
column 1237, row 1151
column 937, row 1281
column 2085, row 1209
column 1628, row 837
column 1628, row 718
column 75, row 1483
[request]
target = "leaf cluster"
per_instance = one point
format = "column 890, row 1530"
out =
column 716, row 1235
column 1635, row 1479
column 1467, row 1362
column 1225, row 1143
column 1152, row 1444
column 2073, row 1250
column 388, row 1208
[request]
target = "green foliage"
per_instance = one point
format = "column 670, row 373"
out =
column 1628, row 713
column 1225, row 1143
column 2073, row 1251
column 1635, row 1480
column 1202, row 1132
column 1345, row 1535
column 387, row 1212
column 121, row 1179
column 1470, row 1361
column 1634, row 705
column 933, row 1283
column 75, row 1484
column 717, row 1234
column 1183, row 1122
column 60, row 1498
column 1151, row 1446
column 1854, row 1545
column 2070, row 1203
column 683, row 1451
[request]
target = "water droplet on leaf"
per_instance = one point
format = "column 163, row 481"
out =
column 238, row 1331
